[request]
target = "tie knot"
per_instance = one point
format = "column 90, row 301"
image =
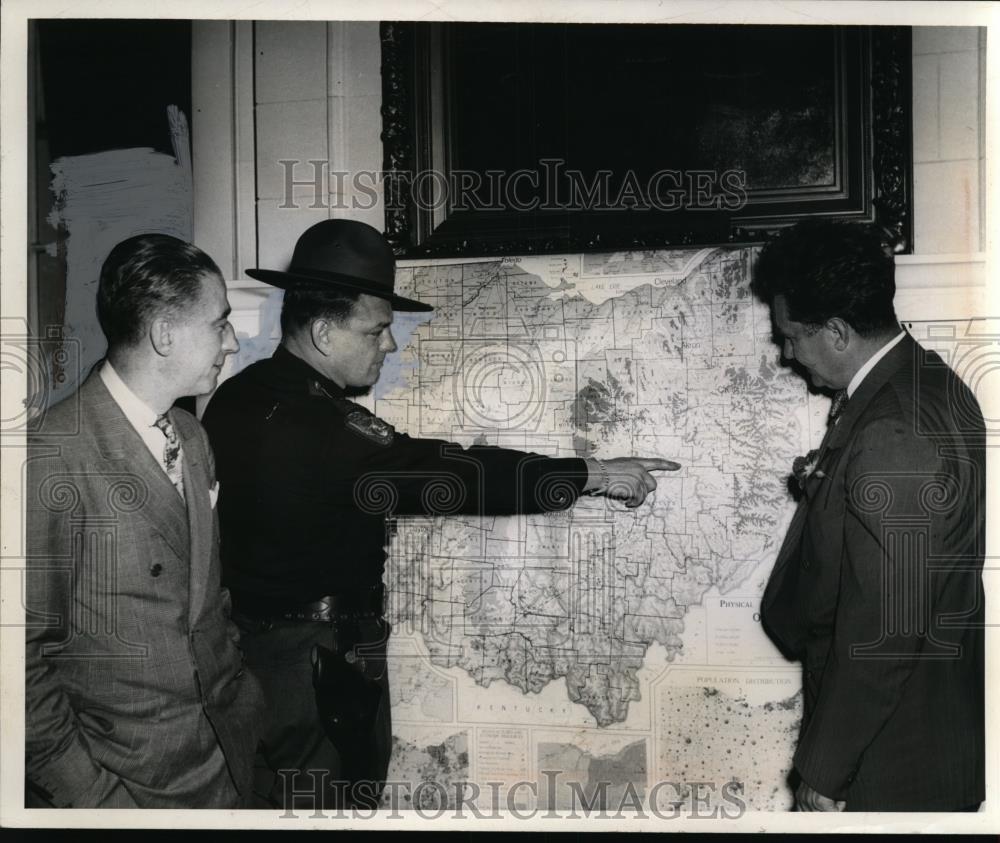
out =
column 163, row 423
column 837, row 405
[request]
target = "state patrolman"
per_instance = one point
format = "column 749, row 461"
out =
column 308, row 479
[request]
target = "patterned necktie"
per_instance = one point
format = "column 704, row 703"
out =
column 837, row 406
column 172, row 453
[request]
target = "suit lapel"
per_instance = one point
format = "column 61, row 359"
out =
column 793, row 536
column 199, row 515
column 123, row 449
column 901, row 355
column 834, row 439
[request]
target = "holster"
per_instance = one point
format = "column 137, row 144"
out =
column 347, row 702
column 346, row 698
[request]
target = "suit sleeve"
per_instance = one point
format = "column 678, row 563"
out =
column 57, row 758
column 434, row 477
column 872, row 653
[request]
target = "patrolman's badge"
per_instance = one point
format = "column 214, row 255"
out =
column 371, row 427
column 357, row 418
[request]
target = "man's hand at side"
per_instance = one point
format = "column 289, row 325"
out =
column 626, row 478
column 807, row 799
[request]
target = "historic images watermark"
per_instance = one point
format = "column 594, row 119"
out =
column 549, row 187
column 551, row 796
column 47, row 361
column 43, row 364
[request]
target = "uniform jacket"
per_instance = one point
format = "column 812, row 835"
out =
column 877, row 589
column 134, row 678
column 309, row 479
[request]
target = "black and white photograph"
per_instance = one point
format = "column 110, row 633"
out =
column 567, row 417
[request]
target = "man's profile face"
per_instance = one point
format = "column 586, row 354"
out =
column 204, row 337
column 811, row 347
column 360, row 344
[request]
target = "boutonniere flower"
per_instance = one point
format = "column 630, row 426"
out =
column 803, row 467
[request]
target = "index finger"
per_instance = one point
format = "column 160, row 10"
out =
column 657, row 464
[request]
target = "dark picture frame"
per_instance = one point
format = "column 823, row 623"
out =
column 539, row 138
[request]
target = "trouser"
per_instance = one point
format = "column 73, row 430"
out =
column 298, row 768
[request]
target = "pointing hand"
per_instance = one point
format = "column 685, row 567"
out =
column 627, row 478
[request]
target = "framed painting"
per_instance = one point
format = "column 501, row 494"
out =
column 506, row 138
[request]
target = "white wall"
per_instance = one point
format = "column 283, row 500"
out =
column 318, row 94
column 948, row 153
column 946, row 275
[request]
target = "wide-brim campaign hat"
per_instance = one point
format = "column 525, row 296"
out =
column 341, row 254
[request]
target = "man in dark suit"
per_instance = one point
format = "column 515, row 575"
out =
column 311, row 481
column 135, row 691
column 877, row 588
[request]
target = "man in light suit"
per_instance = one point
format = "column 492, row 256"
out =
column 135, row 692
column 877, row 588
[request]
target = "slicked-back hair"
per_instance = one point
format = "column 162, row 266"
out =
column 146, row 277
column 826, row 269
column 300, row 307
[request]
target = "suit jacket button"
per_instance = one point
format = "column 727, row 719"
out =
column 156, row 570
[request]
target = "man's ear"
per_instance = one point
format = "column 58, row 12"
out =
column 841, row 332
column 161, row 336
column 319, row 331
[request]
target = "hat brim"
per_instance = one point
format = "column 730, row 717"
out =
column 333, row 280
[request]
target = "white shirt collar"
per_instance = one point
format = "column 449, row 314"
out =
column 135, row 409
column 138, row 413
column 872, row 361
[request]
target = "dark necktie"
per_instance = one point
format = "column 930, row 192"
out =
column 172, row 453
column 802, row 467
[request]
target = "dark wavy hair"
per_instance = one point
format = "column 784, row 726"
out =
column 144, row 277
column 826, row 269
column 300, row 306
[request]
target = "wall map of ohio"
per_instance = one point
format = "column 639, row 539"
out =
column 600, row 621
